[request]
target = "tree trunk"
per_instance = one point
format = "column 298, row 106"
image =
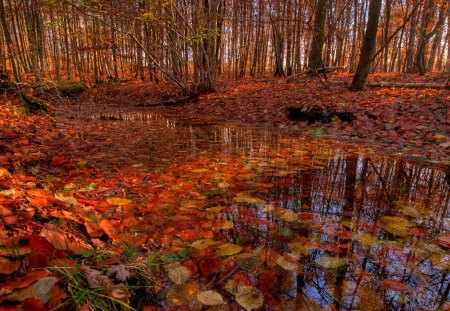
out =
column 368, row 47
column 315, row 55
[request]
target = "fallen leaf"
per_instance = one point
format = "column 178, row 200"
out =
column 118, row 201
column 210, row 298
column 179, row 274
column 120, row 271
column 249, row 297
column 9, row 267
column 22, row 282
column 228, row 249
column 204, row 243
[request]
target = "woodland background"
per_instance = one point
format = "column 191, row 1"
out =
column 193, row 43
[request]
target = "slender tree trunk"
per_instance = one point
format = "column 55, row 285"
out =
column 368, row 47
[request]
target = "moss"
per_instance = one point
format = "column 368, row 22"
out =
column 70, row 87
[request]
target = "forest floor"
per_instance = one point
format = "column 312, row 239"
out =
column 414, row 123
column 59, row 202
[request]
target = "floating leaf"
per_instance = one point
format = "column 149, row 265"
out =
column 398, row 231
column 444, row 241
column 118, row 201
column 210, row 298
column 223, row 185
column 228, row 249
column 441, row 260
column 289, row 216
column 366, row 239
column 244, row 197
column 287, row 265
column 267, row 208
column 249, row 297
column 411, row 211
column 299, row 249
column 227, row 225
column 204, row 243
column 397, row 221
column 331, row 262
column 179, row 274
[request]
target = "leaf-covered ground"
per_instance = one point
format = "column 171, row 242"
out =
column 101, row 199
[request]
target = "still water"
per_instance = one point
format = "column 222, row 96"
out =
column 274, row 222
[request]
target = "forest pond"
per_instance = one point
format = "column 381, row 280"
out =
column 250, row 218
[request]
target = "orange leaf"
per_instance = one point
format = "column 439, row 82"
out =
column 25, row 281
column 9, row 267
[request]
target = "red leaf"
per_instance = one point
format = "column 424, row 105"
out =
column 268, row 280
column 188, row 235
column 419, row 232
column 192, row 267
column 33, row 304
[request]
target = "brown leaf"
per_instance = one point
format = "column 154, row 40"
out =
column 121, row 272
column 94, row 277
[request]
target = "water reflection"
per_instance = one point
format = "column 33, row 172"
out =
column 361, row 228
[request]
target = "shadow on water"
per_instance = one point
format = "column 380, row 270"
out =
column 328, row 225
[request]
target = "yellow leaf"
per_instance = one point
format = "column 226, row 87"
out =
column 228, row 249
column 226, row 225
column 287, row 265
column 202, row 244
column 210, row 298
column 331, row 262
column 397, row 221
